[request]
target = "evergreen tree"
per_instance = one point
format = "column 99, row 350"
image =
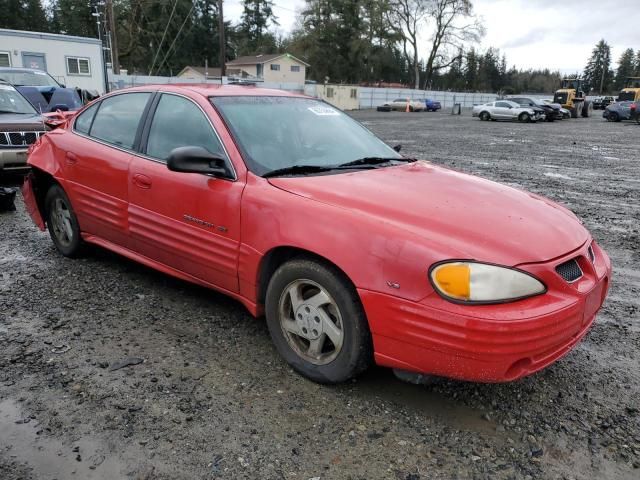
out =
column 637, row 65
column 24, row 15
column 598, row 74
column 254, row 36
column 626, row 68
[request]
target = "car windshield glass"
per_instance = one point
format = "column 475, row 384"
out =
column 277, row 133
column 28, row 78
column 12, row 102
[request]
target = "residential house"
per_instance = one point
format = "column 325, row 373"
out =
column 272, row 68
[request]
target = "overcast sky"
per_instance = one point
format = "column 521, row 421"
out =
column 558, row 34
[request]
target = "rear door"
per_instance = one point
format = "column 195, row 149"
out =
column 96, row 163
column 187, row 221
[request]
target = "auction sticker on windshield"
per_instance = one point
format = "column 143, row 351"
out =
column 322, row 110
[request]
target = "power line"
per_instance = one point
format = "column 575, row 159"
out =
column 176, row 37
column 163, row 35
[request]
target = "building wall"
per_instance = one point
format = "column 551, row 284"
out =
column 284, row 75
column 55, row 49
column 345, row 97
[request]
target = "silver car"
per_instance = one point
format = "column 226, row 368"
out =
column 400, row 104
column 506, row 110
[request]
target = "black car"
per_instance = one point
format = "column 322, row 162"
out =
column 552, row 111
column 602, row 102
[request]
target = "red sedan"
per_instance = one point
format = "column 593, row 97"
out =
column 353, row 252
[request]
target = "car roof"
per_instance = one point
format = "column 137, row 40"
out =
column 215, row 90
column 21, row 69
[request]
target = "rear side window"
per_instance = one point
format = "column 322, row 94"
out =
column 178, row 122
column 118, row 118
column 83, row 122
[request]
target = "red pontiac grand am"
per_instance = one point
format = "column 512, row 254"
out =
column 353, row 252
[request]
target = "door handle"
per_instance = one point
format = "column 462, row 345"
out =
column 141, row 181
column 71, row 158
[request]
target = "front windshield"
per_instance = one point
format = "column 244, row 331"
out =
column 626, row 96
column 280, row 132
column 12, row 102
column 28, row 78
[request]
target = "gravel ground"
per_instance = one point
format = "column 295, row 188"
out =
column 205, row 395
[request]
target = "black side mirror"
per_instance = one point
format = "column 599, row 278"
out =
column 197, row 160
column 397, row 148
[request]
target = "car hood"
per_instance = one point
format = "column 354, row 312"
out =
column 15, row 122
column 467, row 216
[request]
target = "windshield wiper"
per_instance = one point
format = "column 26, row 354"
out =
column 296, row 170
column 12, row 111
column 373, row 161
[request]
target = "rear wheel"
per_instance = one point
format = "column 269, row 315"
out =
column 485, row 116
column 317, row 322
column 62, row 222
column 587, row 109
column 613, row 117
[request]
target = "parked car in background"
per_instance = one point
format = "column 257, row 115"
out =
column 476, row 280
column 635, row 112
column 602, row 102
column 506, row 110
column 20, row 126
column 431, row 105
column 566, row 113
column 618, row 111
column 43, row 91
column 400, row 105
column 550, row 111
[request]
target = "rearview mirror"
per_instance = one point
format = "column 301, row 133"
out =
column 197, row 160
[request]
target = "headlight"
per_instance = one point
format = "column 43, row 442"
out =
column 481, row 283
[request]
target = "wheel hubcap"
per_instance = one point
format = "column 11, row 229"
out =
column 311, row 321
column 61, row 222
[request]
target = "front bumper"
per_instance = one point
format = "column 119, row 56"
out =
column 13, row 160
column 490, row 343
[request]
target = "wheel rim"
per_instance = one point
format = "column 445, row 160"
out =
column 311, row 321
column 61, row 222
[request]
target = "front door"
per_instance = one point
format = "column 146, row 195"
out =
column 34, row 60
column 96, row 164
column 187, row 221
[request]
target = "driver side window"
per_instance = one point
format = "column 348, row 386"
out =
column 178, row 122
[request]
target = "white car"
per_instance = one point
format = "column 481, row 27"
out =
column 506, row 110
column 400, row 104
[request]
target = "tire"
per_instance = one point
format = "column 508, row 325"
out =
column 327, row 301
column 62, row 222
column 613, row 117
column 485, row 116
column 524, row 117
column 587, row 109
column 574, row 112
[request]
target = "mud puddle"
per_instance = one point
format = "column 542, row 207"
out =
column 23, row 439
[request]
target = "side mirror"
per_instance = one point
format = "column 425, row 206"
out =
column 197, row 160
column 397, row 148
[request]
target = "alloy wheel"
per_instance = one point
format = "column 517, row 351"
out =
column 61, row 222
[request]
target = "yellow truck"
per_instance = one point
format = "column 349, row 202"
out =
column 571, row 97
column 631, row 90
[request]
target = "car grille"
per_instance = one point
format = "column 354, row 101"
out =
column 570, row 270
column 19, row 139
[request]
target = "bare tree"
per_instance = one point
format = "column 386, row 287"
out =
column 454, row 24
column 405, row 16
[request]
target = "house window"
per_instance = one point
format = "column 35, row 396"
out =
column 354, row 93
column 78, row 66
column 275, row 66
column 329, row 92
column 5, row 59
column 295, row 68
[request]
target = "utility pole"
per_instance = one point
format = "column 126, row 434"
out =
column 223, row 55
column 102, row 49
column 115, row 62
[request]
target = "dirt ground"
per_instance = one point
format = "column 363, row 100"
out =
column 206, row 396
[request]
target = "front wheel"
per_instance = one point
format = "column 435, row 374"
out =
column 317, row 322
column 613, row 117
column 524, row 117
column 62, row 222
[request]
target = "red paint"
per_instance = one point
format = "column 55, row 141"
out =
column 378, row 226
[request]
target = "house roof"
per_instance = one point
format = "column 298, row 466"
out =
column 211, row 71
column 258, row 59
